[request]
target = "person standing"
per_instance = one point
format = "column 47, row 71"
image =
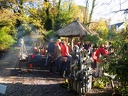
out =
column 65, row 57
column 87, row 45
column 94, row 58
column 57, row 55
column 50, row 51
column 97, row 55
column 51, row 47
column 88, row 48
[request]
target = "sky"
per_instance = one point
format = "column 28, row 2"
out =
column 105, row 9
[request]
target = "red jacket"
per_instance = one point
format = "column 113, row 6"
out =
column 96, row 54
column 64, row 50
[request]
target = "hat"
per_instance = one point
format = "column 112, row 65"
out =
column 51, row 39
column 59, row 40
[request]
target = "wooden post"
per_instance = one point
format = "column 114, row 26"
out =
column 72, row 43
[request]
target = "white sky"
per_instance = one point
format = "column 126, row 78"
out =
column 104, row 9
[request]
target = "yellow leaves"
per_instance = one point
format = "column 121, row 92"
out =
column 126, row 39
column 23, row 18
column 54, row 11
column 7, row 17
column 78, row 13
column 5, row 14
column 99, row 83
column 46, row 5
column 36, row 22
column 100, row 27
column 33, row 10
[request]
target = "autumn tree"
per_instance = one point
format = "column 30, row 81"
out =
column 101, row 27
column 7, row 28
column 88, row 11
column 67, row 12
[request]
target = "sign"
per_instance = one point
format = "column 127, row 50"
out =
column 2, row 89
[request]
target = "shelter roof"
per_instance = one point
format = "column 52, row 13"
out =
column 73, row 29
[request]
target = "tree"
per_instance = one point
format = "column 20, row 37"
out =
column 118, row 62
column 68, row 11
column 89, row 9
column 57, row 21
column 92, row 9
column 6, row 40
column 48, row 21
column 7, row 28
column 101, row 27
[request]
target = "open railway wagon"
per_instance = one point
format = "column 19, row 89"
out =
column 33, row 61
column 80, row 78
column 28, row 62
column 38, row 58
column 38, row 61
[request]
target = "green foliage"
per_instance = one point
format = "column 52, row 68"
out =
column 67, row 13
column 5, row 40
column 7, row 28
column 101, row 82
column 63, row 19
column 30, row 23
column 8, row 20
column 48, row 35
column 118, row 62
column 92, row 38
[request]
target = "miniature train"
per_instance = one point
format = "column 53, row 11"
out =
column 79, row 74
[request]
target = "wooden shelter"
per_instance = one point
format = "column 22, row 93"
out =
column 73, row 29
